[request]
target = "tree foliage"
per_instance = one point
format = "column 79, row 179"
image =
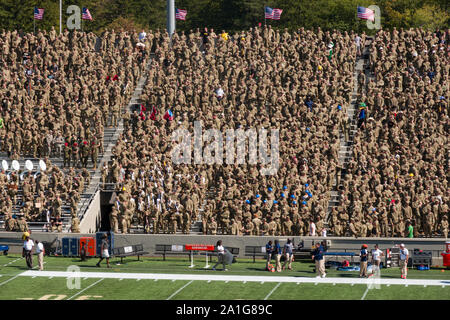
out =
column 229, row 15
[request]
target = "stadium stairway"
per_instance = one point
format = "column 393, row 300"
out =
column 110, row 136
column 346, row 147
column 113, row 136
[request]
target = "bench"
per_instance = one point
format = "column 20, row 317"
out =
column 254, row 251
column 170, row 249
column 133, row 250
column 341, row 254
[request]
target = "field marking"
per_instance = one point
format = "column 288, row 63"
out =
column 365, row 293
column 240, row 278
column 270, row 293
column 76, row 294
column 12, row 262
column 10, row 279
column 176, row 292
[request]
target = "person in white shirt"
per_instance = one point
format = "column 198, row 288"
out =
column 26, row 252
column 358, row 45
column 404, row 256
column 220, row 93
column 312, row 229
column 40, row 253
column 376, row 260
column 220, row 255
column 142, row 36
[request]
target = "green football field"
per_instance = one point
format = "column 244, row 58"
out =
column 206, row 286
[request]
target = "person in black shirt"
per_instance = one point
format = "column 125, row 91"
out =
column 269, row 250
column 364, row 254
column 205, row 36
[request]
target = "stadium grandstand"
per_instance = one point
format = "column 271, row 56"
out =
column 362, row 121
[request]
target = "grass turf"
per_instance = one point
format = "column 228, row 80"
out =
column 127, row 289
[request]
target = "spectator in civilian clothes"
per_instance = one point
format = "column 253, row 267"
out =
column 220, row 256
column 317, row 256
column 376, row 260
column 269, row 250
column 277, row 253
column 363, row 255
column 40, row 254
column 104, row 251
column 288, row 254
column 404, row 256
column 27, row 250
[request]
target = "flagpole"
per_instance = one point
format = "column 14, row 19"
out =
column 60, row 16
column 265, row 16
column 34, row 24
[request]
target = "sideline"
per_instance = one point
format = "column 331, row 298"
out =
column 203, row 277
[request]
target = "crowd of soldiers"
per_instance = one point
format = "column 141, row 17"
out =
column 44, row 196
column 270, row 79
column 57, row 94
column 399, row 172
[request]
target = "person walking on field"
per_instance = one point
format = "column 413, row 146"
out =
column 104, row 251
column 27, row 250
column 317, row 256
column 220, row 255
column 269, row 250
column 363, row 256
column 40, row 254
column 288, row 254
column 277, row 253
column 404, row 256
column 376, row 260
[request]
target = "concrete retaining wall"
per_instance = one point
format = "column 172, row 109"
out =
column 149, row 241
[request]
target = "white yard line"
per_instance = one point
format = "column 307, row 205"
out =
column 11, row 262
column 9, row 279
column 365, row 293
column 176, row 292
column 239, row 278
column 270, row 293
column 76, row 294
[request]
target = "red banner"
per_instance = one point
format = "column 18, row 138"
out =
column 199, row 247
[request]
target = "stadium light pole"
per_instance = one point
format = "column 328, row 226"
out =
column 170, row 17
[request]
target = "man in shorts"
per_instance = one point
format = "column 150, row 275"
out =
column 104, row 251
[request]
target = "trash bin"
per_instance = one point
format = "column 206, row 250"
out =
column 446, row 255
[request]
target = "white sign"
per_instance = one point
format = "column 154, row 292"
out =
column 177, row 247
column 128, row 249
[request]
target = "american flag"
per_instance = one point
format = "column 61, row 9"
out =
column 365, row 13
column 86, row 14
column 273, row 14
column 38, row 13
column 180, row 14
